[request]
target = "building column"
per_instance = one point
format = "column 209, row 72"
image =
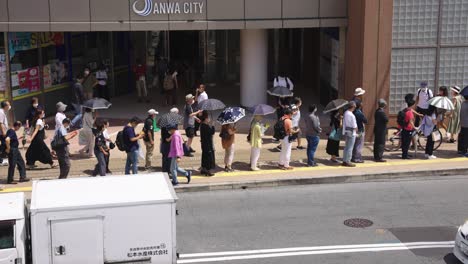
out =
column 368, row 53
column 254, row 67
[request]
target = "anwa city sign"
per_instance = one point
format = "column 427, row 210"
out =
column 161, row 7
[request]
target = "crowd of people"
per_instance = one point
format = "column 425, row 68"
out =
column 347, row 123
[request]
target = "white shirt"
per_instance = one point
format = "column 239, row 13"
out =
column 102, row 77
column 349, row 122
column 424, row 95
column 296, row 118
column 3, row 118
column 59, row 117
column 40, row 123
column 202, row 97
column 105, row 134
column 63, row 131
column 283, row 81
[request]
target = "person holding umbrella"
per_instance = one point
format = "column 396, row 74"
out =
column 428, row 124
column 228, row 118
column 454, row 123
column 208, row 153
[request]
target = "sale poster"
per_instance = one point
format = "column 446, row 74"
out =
column 3, row 73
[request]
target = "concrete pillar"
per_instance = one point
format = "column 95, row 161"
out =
column 254, row 68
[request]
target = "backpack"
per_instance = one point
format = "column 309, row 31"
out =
column 401, row 118
column 428, row 93
column 168, row 83
column 120, row 142
column 279, row 130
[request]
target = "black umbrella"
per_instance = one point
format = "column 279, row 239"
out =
column 280, row 91
column 170, row 119
column 211, row 105
column 464, row 92
column 335, row 105
column 97, row 103
column 263, row 109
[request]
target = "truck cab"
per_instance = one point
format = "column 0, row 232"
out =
column 12, row 228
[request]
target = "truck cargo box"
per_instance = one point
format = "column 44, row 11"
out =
column 112, row 219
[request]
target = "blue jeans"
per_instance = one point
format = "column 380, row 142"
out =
column 312, row 144
column 132, row 162
column 175, row 170
column 350, row 139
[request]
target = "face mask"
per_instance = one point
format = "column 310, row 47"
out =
column 86, row 72
column 35, row 105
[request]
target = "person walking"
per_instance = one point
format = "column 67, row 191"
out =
column 131, row 145
column 228, row 134
column 109, row 144
column 170, row 87
column 406, row 121
column 15, row 160
column 38, row 150
column 175, row 154
column 428, row 125
column 286, row 144
column 312, row 133
column 350, row 129
column 191, row 118
column 28, row 119
column 164, row 149
column 208, row 152
column 148, row 129
column 60, row 115
column 423, row 95
column 380, row 131
column 361, row 120
column 333, row 143
column 89, row 82
column 101, row 88
column 463, row 135
column 255, row 142
column 100, row 150
column 62, row 152
column 140, row 76
column 86, row 137
column 453, row 128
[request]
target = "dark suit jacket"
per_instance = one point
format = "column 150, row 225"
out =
column 380, row 128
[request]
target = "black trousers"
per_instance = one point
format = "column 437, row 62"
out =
column 15, row 160
column 405, row 142
column 429, row 145
column 64, row 162
column 463, row 140
column 378, row 150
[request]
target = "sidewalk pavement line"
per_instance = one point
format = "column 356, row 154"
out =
column 17, row 189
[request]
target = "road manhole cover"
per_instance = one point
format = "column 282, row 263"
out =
column 358, row 223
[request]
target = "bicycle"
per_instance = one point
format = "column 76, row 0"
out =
column 393, row 139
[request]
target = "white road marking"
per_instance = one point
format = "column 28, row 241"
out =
column 304, row 251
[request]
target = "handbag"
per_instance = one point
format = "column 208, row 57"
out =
column 335, row 134
column 436, row 136
column 58, row 142
column 111, row 145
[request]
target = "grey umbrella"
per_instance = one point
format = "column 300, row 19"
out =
column 97, row 103
column 263, row 109
column 335, row 105
column 211, row 105
column 169, row 120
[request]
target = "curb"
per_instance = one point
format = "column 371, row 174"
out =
column 371, row 177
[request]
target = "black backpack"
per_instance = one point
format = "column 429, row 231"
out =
column 120, row 142
column 279, row 130
column 401, row 118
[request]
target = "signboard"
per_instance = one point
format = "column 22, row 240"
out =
column 25, row 81
column 159, row 7
column 3, row 73
column 18, row 41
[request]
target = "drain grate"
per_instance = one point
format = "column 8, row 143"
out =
column 358, row 223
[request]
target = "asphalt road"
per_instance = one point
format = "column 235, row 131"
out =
column 413, row 222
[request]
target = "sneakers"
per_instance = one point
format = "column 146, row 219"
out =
column 4, row 163
column 189, row 176
column 430, row 156
column 255, row 169
column 24, row 180
column 346, row 164
column 301, row 147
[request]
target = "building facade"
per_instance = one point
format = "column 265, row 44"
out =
column 328, row 47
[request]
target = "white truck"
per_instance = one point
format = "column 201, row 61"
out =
column 104, row 220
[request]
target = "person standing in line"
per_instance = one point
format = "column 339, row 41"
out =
column 350, row 129
column 101, row 89
column 361, row 121
column 100, row 151
column 208, row 152
column 296, row 120
column 148, row 129
column 86, row 134
column 200, row 96
column 175, row 154
column 454, row 123
column 463, row 135
column 14, row 155
column 131, row 145
column 5, row 108
column 333, row 144
column 313, row 131
column 227, row 134
column 89, row 82
column 423, row 95
column 165, row 148
column 358, row 95
column 140, row 76
column 380, row 131
column 38, row 150
column 190, row 119
column 441, row 113
column 407, row 125
column 255, row 142
column 63, row 154
column 109, row 143
column 170, row 87
column 286, row 144
column 31, row 111
column 427, row 127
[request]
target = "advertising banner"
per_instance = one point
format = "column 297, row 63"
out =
column 3, row 73
column 19, row 41
column 25, row 81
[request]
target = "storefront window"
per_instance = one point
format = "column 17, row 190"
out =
column 3, row 67
column 55, row 65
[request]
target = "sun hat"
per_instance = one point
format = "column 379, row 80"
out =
column 61, row 107
column 359, row 91
column 153, row 112
column 189, row 96
column 456, row 89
